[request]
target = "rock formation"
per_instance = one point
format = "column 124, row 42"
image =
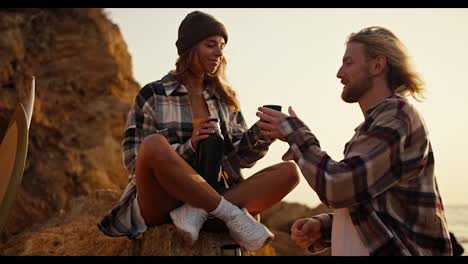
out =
column 84, row 89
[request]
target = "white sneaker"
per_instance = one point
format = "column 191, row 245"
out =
column 248, row 232
column 188, row 220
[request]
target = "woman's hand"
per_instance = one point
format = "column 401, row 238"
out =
column 202, row 130
column 306, row 231
column 270, row 120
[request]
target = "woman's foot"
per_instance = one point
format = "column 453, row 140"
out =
column 188, row 220
column 248, row 232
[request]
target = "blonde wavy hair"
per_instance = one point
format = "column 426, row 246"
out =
column 401, row 76
column 187, row 64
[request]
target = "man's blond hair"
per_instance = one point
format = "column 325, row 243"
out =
column 401, row 77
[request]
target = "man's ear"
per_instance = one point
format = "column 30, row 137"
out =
column 379, row 65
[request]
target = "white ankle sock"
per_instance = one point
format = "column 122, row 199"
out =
column 225, row 210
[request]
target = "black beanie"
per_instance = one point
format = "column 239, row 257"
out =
column 197, row 26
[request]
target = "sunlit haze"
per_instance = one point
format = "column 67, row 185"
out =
column 291, row 56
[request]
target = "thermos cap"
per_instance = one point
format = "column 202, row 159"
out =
column 231, row 250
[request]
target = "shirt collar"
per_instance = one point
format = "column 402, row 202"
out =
column 171, row 84
column 392, row 96
column 369, row 111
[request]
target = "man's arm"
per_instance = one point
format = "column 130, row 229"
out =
column 373, row 163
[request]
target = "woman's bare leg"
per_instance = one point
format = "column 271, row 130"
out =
column 265, row 188
column 164, row 180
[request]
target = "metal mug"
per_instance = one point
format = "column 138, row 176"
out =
column 274, row 107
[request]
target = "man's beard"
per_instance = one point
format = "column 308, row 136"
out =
column 354, row 92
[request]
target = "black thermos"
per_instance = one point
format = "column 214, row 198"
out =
column 209, row 156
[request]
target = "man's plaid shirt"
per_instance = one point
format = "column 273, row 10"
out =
column 386, row 180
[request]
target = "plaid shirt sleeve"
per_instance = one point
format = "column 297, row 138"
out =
column 140, row 124
column 249, row 143
column 326, row 220
column 372, row 165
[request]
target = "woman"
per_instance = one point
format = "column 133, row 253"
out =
column 160, row 147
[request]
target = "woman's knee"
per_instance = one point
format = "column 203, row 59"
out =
column 154, row 146
column 290, row 172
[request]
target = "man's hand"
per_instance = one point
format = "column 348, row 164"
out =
column 270, row 120
column 306, row 231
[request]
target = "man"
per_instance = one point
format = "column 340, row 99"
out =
column 384, row 192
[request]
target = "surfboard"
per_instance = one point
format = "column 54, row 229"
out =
column 13, row 152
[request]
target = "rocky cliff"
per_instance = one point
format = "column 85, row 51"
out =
column 84, row 89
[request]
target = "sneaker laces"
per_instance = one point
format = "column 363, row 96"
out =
column 249, row 232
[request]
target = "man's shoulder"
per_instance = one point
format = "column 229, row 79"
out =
column 399, row 112
column 397, row 107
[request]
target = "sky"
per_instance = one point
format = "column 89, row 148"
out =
column 291, row 56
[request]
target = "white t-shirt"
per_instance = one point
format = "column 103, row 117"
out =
column 345, row 240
